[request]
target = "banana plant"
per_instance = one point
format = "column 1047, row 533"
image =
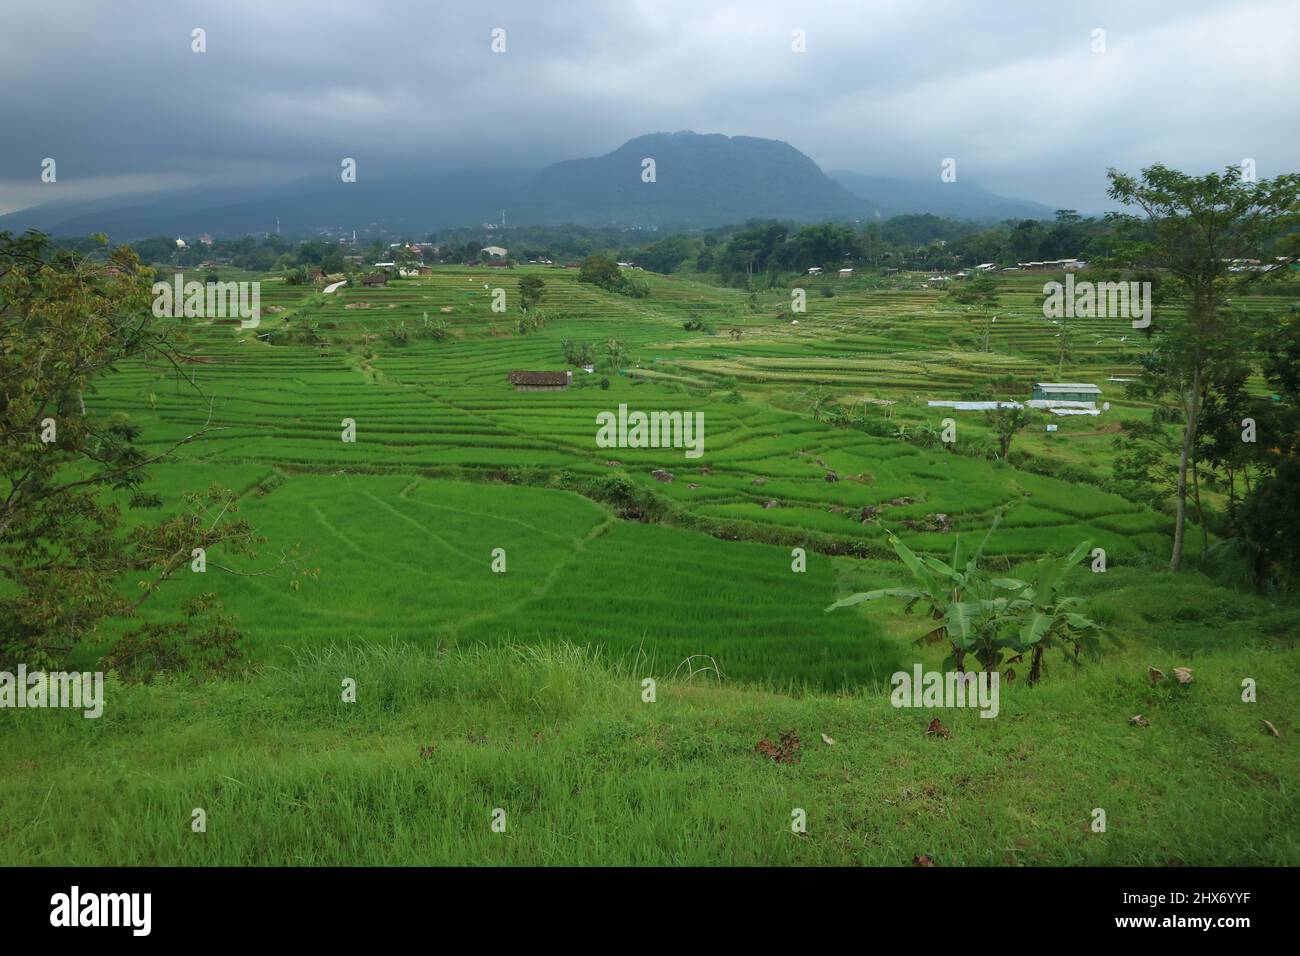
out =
column 1049, row 619
column 959, row 599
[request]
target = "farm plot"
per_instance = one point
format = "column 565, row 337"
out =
column 413, row 560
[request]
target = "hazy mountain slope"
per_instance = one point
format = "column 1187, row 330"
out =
column 961, row 199
column 700, row 180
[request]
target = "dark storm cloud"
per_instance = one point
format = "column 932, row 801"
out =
column 1012, row 91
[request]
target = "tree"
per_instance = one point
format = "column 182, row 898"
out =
column 615, row 354
column 1026, row 240
column 1006, row 423
column 1269, row 523
column 1064, row 344
column 1066, row 238
column 407, row 258
column 1194, row 229
column 667, row 254
column 978, row 288
column 66, row 471
column 600, row 271
column 1269, row 518
column 531, row 290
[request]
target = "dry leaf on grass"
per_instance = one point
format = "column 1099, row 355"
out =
column 1184, row 674
column 1137, row 720
column 783, row 752
column 922, row 860
column 829, row 741
column 1155, row 675
column 1270, row 728
column 938, row 729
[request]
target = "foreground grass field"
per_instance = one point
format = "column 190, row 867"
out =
column 588, row 773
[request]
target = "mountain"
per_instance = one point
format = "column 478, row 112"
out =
column 700, row 180
column 462, row 198
column 961, row 199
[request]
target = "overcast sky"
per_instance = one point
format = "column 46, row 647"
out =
column 1012, row 90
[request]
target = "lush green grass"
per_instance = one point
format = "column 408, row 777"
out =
column 411, row 559
column 589, row 774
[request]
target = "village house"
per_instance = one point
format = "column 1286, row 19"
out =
column 1053, row 265
column 496, row 252
column 540, row 381
column 374, row 280
column 1066, row 392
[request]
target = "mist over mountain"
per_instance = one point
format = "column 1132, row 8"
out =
column 699, row 181
column 960, row 199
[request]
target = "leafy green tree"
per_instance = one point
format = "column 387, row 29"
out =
column 1195, row 228
column 1269, row 518
column 978, row 288
column 407, row 259
column 66, row 471
column 665, row 255
column 1269, row 523
column 531, row 290
column 600, row 270
column 1026, row 240
column 1006, row 423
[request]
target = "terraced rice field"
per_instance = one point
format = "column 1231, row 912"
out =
column 402, row 522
